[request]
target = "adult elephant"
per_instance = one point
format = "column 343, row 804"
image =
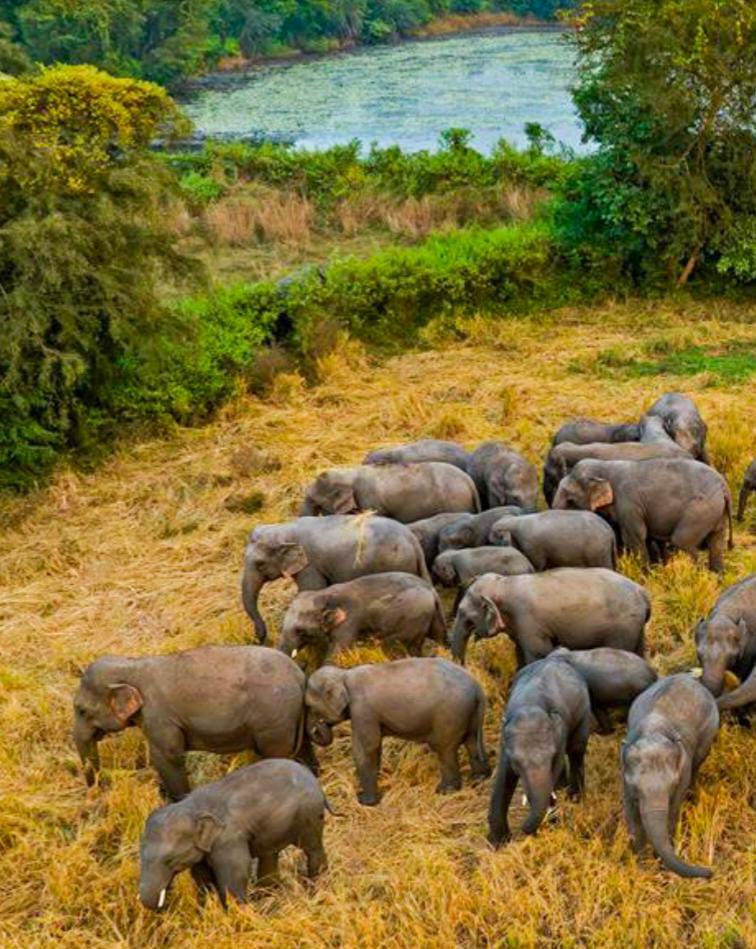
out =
column 404, row 492
column 726, row 639
column 683, row 423
column 318, row 551
column 426, row 449
column 558, row 539
column 667, row 501
column 582, row 431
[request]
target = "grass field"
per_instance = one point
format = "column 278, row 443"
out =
column 144, row 555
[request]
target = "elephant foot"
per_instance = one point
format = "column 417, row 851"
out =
column 498, row 840
column 449, row 787
column 480, row 772
column 368, row 799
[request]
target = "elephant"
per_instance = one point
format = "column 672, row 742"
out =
column 220, row 828
column 223, row 699
column 428, row 532
column 680, row 502
column 615, row 678
column 393, row 607
column 653, row 432
column 548, row 717
column 428, row 700
column 558, row 539
column 458, row 568
column 582, row 431
column 748, row 487
column 563, row 458
column 683, row 423
column 503, row 476
column 744, row 695
column 471, row 530
column 580, row 608
column 404, row 492
column 670, row 729
column 426, row 449
column 726, row 639
column 319, row 551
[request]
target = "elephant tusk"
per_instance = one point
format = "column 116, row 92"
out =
column 294, row 653
column 697, row 672
column 161, row 898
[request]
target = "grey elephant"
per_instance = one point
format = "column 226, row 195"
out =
column 563, row 458
column 679, row 502
column 404, row 492
column 748, row 487
column 744, row 695
column 579, row 608
column 218, row 830
column 458, row 568
column 393, row 607
column 581, row 431
column 670, row 729
column 683, row 423
column 726, row 639
column 318, row 551
column 426, row 449
column 471, row 530
column 547, row 718
column 558, row 539
column 615, row 678
column 428, row 532
column 653, row 432
column 223, row 699
column 503, row 476
column 421, row 700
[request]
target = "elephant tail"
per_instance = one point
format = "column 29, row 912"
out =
column 728, row 505
column 421, row 566
column 480, row 721
column 476, row 498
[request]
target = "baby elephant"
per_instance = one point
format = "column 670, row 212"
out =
column 471, row 530
column 670, row 729
column 548, row 716
column 503, row 476
column 748, row 487
column 458, row 568
column 395, row 607
column 224, row 699
column 615, row 678
column 422, row 700
column 219, row 829
column 726, row 639
column 559, row 539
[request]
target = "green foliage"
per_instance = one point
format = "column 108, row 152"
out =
column 730, row 363
column 199, row 190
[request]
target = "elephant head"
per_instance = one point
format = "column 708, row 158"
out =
column 501, row 533
column 107, row 700
column 457, row 535
column 444, row 571
column 535, row 749
column 332, row 492
column 477, row 616
column 327, row 702
column 267, row 558
column 720, row 643
column 654, row 769
column 584, row 489
column 309, row 620
column 173, row 840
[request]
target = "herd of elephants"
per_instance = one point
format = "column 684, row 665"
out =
column 364, row 554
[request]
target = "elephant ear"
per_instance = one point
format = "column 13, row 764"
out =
column 336, row 695
column 207, row 827
column 495, row 619
column 292, row 559
column 124, row 700
column 600, row 493
column 332, row 616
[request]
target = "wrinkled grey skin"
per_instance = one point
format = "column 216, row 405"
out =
column 679, row 502
column 683, row 423
column 744, row 695
column 563, row 458
column 503, row 476
column 653, row 432
column 548, row 717
column 574, row 607
column 318, row 551
column 426, row 449
column 471, row 530
column 615, row 678
column 726, row 639
column 394, row 607
column 431, row 701
column 428, row 532
column 458, row 568
column 670, row 729
column 219, row 829
column 405, row 492
column 223, row 699
column 559, row 539
column 748, row 487
column 581, row 431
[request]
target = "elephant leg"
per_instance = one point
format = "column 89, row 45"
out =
column 480, row 767
column 716, row 544
column 204, row 879
column 451, row 779
column 576, row 756
column 634, row 535
column 504, row 784
column 267, row 869
column 306, row 754
column 232, row 865
column 169, row 762
column 366, row 749
column 604, row 724
column 312, row 844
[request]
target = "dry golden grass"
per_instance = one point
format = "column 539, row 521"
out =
column 277, row 216
column 144, row 555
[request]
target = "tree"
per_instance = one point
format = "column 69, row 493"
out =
column 667, row 88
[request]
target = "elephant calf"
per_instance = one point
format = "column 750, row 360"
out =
column 428, row 532
column 548, row 717
column 503, row 476
column 559, row 539
column 422, row 700
column 426, row 449
column 726, row 639
column 748, row 487
column 471, row 530
column 670, row 729
column 583, row 431
column 573, row 607
column 683, row 423
column 404, row 492
column 217, row 831
column 395, row 607
column 224, row 699
column 458, row 568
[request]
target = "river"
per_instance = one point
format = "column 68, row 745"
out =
column 490, row 83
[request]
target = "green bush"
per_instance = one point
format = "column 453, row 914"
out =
column 199, row 190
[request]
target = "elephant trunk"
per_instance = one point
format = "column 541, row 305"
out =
column 252, row 583
column 458, row 641
column 153, row 888
column 85, row 739
column 655, row 823
column 713, row 676
column 538, row 787
column 745, row 694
